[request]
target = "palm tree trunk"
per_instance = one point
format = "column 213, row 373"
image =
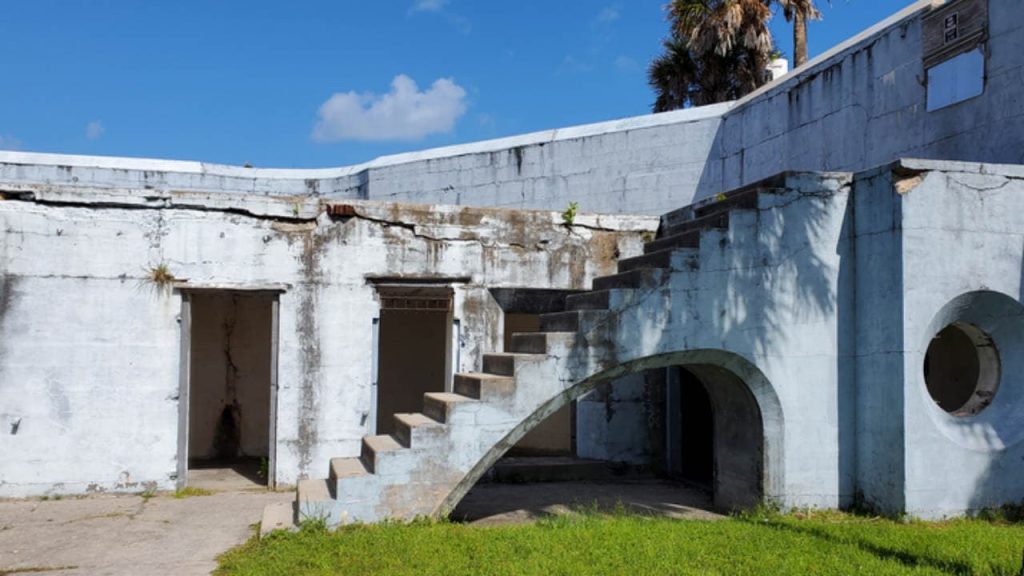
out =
column 799, row 39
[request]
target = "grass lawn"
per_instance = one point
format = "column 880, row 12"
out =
column 762, row 543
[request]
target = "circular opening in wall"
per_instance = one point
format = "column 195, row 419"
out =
column 961, row 369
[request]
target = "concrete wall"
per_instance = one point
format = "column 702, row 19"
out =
column 624, row 421
column 90, row 345
column 860, row 105
column 647, row 164
column 963, row 261
column 863, row 104
column 949, row 238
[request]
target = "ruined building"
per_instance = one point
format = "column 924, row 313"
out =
column 768, row 295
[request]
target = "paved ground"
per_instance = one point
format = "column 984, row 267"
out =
column 491, row 504
column 131, row 535
column 115, row 535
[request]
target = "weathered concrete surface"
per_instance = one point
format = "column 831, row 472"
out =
column 110, row 535
column 90, row 345
column 645, row 164
column 752, row 311
column 863, row 104
column 949, row 237
column 806, row 318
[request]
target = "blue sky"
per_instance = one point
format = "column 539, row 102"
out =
column 326, row 83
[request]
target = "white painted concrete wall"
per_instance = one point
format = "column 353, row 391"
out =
column 940, row 234
column 963, row 233
column 646, row 164
column 89, row 347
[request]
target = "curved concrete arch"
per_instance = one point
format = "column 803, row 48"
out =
column 704, row 363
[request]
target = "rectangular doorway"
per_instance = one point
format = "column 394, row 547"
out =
column 230, row 388
column 414, row 349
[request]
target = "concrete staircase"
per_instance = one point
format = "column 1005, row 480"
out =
column 434, row 457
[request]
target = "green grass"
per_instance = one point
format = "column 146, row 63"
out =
column 762, row 543
column 188, row 492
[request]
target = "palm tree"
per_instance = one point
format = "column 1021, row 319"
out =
column 719, row 26
column 799, row 12
column 681, row 78
column 718, row 51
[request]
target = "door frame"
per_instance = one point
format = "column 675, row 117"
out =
column 185, row 370
column 426, row 291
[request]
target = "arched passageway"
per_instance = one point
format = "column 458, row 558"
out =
column 733, row 434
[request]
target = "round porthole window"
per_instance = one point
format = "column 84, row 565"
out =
column 961, row 369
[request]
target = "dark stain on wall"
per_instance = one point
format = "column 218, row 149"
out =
column 309, row 348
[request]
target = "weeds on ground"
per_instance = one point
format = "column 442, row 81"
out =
column 188, row 492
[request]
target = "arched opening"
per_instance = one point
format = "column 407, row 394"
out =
column 727, row 426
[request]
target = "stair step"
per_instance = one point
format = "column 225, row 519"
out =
column 502, row 364
column 277, row 516
column 570, row 320
column 638, row 278
column 313, row 490
column 484, row 386
column 659, row 259
column 745, row 197
column 374, row 446
column 439, row 405
column 536, row 342
column 689, row 239
column 415, row 428
column 347, row 468
column 593, row 300
column 712, row 220
column 667, row 259
column 314, row 499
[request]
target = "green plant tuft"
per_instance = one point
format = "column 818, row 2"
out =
column 188, row 492
column 569, row 215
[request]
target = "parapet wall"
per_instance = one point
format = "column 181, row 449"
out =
column 861, row 105
column 646, row 164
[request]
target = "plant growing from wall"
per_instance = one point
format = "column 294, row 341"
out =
column 569, row 215
column 161, row 275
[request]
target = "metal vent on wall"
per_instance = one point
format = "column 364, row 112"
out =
column 421, row 298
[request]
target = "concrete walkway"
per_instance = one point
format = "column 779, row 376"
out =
column 127, row 535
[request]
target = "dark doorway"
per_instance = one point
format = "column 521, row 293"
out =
column 230, row 384
column 696, row 424
column 414, row 354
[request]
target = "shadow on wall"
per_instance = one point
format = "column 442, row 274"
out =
column 766, row 287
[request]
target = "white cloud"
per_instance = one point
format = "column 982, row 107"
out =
column 607, row 15
column 626, row 64
column 404, row 113
column 9, row 143
column 428, row 6
column 94, row 130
